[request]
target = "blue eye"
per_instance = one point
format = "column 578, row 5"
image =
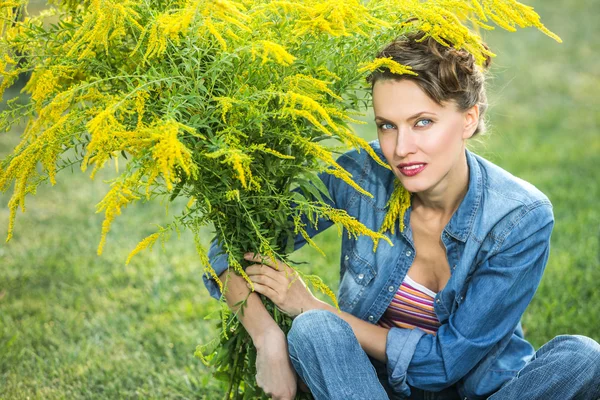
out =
column 386, row 125
column 423, row 123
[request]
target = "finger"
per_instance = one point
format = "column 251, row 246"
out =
column 264, row 290
column 261, row 269
column 258, row 269
column 266, row 280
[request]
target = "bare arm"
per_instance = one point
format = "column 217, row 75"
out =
column 282, row 285
column 372, row 338
column 274, row 371
column 254, row 317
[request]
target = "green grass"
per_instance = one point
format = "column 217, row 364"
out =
column 75, row 325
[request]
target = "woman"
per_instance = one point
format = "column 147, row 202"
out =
column 436, row 316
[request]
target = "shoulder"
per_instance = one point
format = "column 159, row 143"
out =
column 502, row 186
column 509, row 203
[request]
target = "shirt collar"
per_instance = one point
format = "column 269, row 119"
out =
column 461, row 223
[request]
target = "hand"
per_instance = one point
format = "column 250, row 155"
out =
column 275, row 374
column 280, row 283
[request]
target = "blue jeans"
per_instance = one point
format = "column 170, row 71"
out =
column 327, row 356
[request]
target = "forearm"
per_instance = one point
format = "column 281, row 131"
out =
column 254, row 317
column 372, row 338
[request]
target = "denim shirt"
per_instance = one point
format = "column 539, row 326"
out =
column 497, row 245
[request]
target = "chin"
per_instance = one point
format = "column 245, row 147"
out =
column 413, row 185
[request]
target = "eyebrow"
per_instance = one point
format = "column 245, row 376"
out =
column 414, row 116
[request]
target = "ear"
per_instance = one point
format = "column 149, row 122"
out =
column 471, row 117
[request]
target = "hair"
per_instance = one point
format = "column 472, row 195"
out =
column 444, row 73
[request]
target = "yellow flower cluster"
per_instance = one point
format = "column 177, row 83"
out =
column 168, row 153
column 203, row 258
column 271, row 51
column 354, row 228
column 239, row 161
column 308, row 106
column 388, row 63
column 8, row 75
column 263, row 148
column 510, row 13
column 107, row 20
column 42, row 142
column 146, row 243
column 107, row 137
column 168, row 26
column 226, row 104
column 122, row 193
column 336, row 18
column 318, row 284
column 335, row 169
column 299, row 228
column 311, row 86
column 397, row 205
column 229, row 15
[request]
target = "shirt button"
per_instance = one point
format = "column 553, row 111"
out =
column 361, row 276
column 371, row 318
column 454, row 267
column 391, row 288
column 438, row 301
column 346, row 258
column 408, row 253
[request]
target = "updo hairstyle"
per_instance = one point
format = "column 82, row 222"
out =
column 444, row 73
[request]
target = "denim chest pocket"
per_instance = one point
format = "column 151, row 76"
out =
column 361, row 270
column 357, row 273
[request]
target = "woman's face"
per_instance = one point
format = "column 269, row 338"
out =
column 423, row 142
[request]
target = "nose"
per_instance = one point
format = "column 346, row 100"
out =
column 405, row 143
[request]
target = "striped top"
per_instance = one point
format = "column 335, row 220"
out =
column 412, row 306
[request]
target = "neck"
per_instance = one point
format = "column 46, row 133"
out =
column 444, row 198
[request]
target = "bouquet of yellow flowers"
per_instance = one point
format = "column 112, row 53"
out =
column 224, row 103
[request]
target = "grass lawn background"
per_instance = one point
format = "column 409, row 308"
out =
column 75, row 325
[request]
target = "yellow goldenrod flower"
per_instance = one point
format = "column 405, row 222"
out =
column 389, row 63
column 318, row 284
column 168, row 153
column 105, row 22
column 397, row 205
column 232, row 195
column 119, row 196
column 106, row 138
column 146, row 243
column 239, row 161
column 169, row 26
column 353, row 227
column 272, row 51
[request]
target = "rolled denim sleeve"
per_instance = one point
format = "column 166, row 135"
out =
column 339, row 191
column 401, row 345
column 218, row 261
column 500, row 290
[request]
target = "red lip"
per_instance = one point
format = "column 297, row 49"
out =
column 413, row 171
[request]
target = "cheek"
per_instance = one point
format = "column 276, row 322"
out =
column 387, row 144
column 445, row 141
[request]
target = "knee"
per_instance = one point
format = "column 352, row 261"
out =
column 317, row 327
column 581, row 354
